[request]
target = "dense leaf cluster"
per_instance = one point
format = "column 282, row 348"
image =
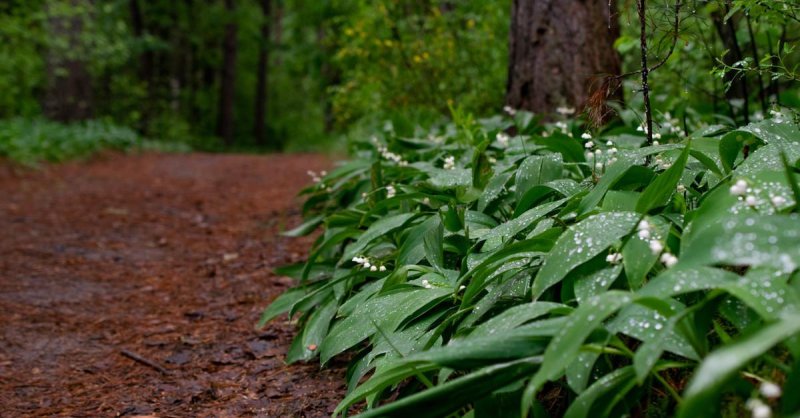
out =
column 473, row 272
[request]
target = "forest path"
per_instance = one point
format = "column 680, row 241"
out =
column 168, row 257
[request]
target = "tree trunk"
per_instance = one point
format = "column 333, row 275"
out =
column 226, row 127
column 69, row 93
column 738, row 91
column 260, row 128
column 559, row 52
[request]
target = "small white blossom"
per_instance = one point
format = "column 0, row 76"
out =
column 643, row 224
column 751, row 201
column 656, row 143
column 739, row 188
column 390, row 191
column 589, row 155
column 612, row 151
column 778, row 200
column 503, row 138
column 598, row 152
column 373, row 268
column 589, row 145
column 598, row 166
column 564, row 110
column 644, row 234
column 510, row 110
column 758, row 408
column 382, row 268
column 681, row 188
column 462, row 287
column 449, row 163
column 614, row 258
column 656, row 247
column 669, row 260
column 770, row 390
column 656, row 135
column 586, row 135
column 609, row 143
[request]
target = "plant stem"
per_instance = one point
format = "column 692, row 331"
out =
column 648, row 112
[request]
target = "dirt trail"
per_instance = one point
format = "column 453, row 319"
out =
column 169, row 257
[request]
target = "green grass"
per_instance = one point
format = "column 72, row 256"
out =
column 30, row 141
column 556, row 272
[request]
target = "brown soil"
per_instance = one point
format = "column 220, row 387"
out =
column 166, row 257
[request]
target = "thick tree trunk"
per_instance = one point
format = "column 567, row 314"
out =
column 260, row 128
column 560, row 51
column 226, row 127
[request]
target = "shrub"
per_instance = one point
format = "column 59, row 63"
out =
column 478, row 273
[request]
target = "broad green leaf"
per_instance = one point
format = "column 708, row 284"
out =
column 746, row 240
column 314, row 332
column 716, row 370
column 536, row 170
column 305, row 228
column 657, row 194
column 566, row 345
column 377, row 230
column 389, row 311
column 281, row 304
column 434, row 249
column 581, row 243
column 444, row 399
column 583, row 405
column 612, row 174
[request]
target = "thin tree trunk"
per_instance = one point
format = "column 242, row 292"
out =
column 69, row 95
column 738, row 85
column 558, row 49
column 260, row 128
column 226, row 127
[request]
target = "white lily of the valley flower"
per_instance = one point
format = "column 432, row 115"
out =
column 778, row 200
column 669, row 260
column 564, row 110
column 739, row 188
column 770, row 390
column 751, row 201
column 614, row 258
column 586, row 135
column 589, row 145
column 644, row 233
column 656, row 247
column 502, row 138
column 449, row 162
column 681, row 188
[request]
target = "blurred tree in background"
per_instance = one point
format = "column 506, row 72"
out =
column 295, row 74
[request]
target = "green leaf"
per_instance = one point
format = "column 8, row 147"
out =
column 657, row 194
column 536, row 170
column 721, row 366
column 612, row 174
column 449, row 397
column 281, row 304
column 581, row 243
column 434, row 249
column 315, row 331
column 566, row 345
column 377, row 230
column 582, row 406
column 305, row 228
column 746, row 240
column 389, row 311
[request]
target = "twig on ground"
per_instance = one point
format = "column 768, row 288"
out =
column 133, row 356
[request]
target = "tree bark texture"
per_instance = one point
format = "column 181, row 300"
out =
column 560, row 51
column 226, row 125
